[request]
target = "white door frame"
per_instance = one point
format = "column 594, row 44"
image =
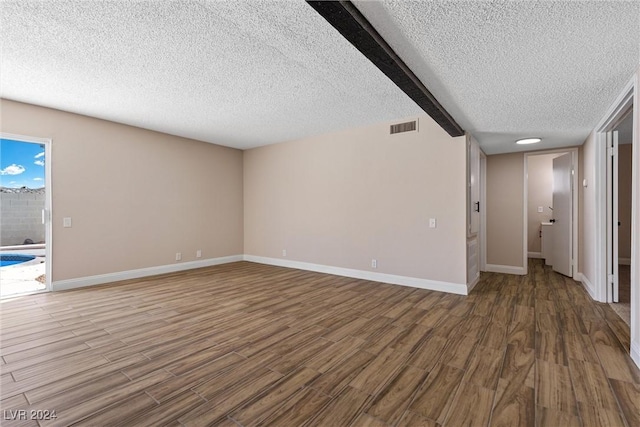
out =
column 629, row 96
column 47, row 198
column 483, row 212
column 625, row 100
column 574, row 206
column 613, row 273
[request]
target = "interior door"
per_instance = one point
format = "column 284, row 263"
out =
column 562, row 214
column 612, row 216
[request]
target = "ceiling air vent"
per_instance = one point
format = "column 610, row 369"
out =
column 404, row 127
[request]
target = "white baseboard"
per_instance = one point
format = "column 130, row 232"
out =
column 534, row 254
column 433, row 285
column 455, row 288
column 508, row 269
column 101, row 279
column 635, row 353
column 473, row 284
column 624, row 261
column 591, row 290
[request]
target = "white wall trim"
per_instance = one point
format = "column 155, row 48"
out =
column 591, row 290
column 483, row 211
column 24, row 138
column 635, row 353
column 61, row 285
column 433, row 285
column 507, row 269
column 534, row 254
column 473, row 284
column 525, row 215
column 624, row 261
column 635, row 226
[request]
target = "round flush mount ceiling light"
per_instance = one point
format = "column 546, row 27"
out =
column 528, row 141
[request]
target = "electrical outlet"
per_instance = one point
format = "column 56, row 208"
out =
column 284, row 252
column 66, row 222
column 178, row 256
column 374, row 263
column 540, row 209
column 199, row 253
column 432, row 223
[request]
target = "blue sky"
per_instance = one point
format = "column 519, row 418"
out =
column 21, row 164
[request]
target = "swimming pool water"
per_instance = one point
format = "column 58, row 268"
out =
column 12, row 259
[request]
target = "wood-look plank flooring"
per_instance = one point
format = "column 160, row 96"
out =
column 247, row 344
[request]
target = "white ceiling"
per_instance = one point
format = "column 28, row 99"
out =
column 239, row 74
column 249, row 73
column 511, row 69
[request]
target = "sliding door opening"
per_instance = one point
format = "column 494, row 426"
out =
column 25, row 206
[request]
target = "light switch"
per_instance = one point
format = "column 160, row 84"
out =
column 432, row 223
column 540, row 209
column 66, row 222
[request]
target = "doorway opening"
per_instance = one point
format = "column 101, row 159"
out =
column 25, row 203
column 619, row 140
column 476, row 218
column 612, row 143
column 621, row 174
column 550, row 209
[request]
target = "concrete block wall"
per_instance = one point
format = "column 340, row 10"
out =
column 21, row 217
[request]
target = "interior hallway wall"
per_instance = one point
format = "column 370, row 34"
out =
column 505, row 194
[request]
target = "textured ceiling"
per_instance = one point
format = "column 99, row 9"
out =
column 249, row 73
column 240, row 74
column 511, row 69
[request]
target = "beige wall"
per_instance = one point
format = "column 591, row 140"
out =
column 505, row 192
column 539, row 193
column 346, row 198
column 136, row 197
column 624, row 200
